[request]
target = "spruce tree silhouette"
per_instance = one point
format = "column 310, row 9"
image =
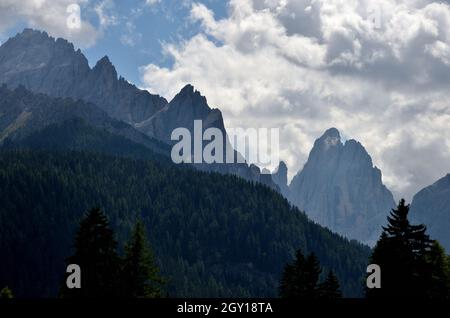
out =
column 301, row 280
column 288, row 288
column 140, row 277
column 401, row 253
column 292, row 283
column 330, row 289
column 311, row 274
column 95, row 253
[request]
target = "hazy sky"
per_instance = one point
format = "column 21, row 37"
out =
column 378, row 70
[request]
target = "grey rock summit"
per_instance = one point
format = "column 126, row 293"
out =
column 431, row 206
column 341, row 189
column 186, row 107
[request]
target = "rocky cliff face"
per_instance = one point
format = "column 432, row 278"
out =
column 431, row 206
column 186, row 107
column 340, row 188
column 45, row 65
column 51, row 66
column 24, row 113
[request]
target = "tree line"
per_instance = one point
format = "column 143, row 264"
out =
column 301, row 280
column 412, row 266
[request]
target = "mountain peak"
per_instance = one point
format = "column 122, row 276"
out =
column 104, row 62
column 332, row 132
column 189, row 97
column 188, row 88
column 282, row 167
column 280, row 177
column 37, row 47
column 28, row 37
column 330, row 139
column 340, row 188
column 105, row 66
column 41, row 38
column 52, row 66
column 28, row 32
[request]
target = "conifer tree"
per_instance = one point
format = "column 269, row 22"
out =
column 140, row 274
column 292, row 285
column 401, row 253
column 330, row 288
column 300, row 279
column 439, row 283
column 95, row 253
column 312, row 274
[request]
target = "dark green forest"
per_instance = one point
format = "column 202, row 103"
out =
column 77, row 135
column 212, row 235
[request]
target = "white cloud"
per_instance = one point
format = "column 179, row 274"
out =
column 50, row 16
column 152, row 2
column 377, row 70
column 105, row 16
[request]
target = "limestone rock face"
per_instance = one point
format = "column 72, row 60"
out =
column 431, row 206
column 186, row 107
column 24, row 113
column 53, row 67
column 341, row 189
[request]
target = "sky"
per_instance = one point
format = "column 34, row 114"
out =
column 378, row 70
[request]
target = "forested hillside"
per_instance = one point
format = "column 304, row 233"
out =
column 213, row 235
column 77, row 135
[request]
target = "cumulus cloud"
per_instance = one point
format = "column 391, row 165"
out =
column 51, row 16
column 376, row 70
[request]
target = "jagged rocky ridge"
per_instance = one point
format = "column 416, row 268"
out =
column 51, row 66
column 24, row 113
